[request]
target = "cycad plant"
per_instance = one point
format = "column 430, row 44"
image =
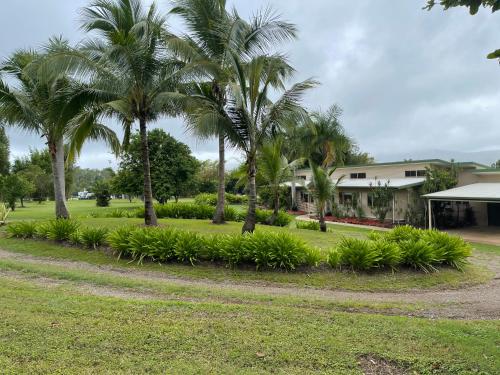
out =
column 50, row 105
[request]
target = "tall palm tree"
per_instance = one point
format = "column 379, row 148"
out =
column 51, row 106
column 255, row 117
column 132, row 69
column 322, row 188
column 213, row 35
column 273, row 169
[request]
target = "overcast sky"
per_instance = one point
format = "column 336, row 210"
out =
column 408, row 80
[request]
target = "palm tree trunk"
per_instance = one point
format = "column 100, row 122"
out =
column 276, row 209
column 149, row 212
column 322, row 224
column 57, row 161
column 219, row 210
column 249, row 225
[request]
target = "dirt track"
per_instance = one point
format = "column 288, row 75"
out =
column 478, row 302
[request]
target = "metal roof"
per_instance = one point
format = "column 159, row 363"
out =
column 485, row 191
column 397, row 183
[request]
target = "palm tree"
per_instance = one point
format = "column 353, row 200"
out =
column 273, row 169
column 325, row 139
column 50, row 106
column 213, row 35
column 132, row 69
column 255, row 117
column 322, row 188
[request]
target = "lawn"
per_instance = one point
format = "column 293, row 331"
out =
column 101, row 317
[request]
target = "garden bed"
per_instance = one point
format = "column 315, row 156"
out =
column 357, row 221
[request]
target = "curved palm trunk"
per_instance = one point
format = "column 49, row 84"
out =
column 249, row 225
column 219, row 210
column 57, row 161
column 321, row 217
column 149, row 212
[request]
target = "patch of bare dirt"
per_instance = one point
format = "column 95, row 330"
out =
column 478, row 302
column 373, row 365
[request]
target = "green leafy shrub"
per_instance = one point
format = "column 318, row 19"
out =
column 419, row 255
column 404, row 233
column 92, row 238
column 358, row 254
column 118, row 240
column 4, row 213
column 263, row 216
column 163, row 242
column 276, row 250
column 189, row 211
column 375, row 235
column 75, row 238
column 206, row 199
column 313, row 257
column 450, row 250
column 309, row 225
column 233, row 249
column 22, row 229
column 188, row 247
column 389, row 253
column 333, row 258
column 211, row 199
column 61, row 229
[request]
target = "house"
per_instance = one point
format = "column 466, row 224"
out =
column 356, row 182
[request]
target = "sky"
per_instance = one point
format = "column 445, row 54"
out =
column 408, row 80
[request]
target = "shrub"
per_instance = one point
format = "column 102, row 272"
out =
column 163, row 241
column 206, row 199
column 263, row 216
column 188, row 247
column 234, row 249
column 4, row 213
column 21, row 229
column 118, row 240
column 236, row 198
column 313, row 256
column 276, row 250
column 42, row 230
column 419, row 255
column 389, row 252
column 76, row 237
column 448, row 249
column 92, row 238
column 404, row 233
column 102, row 192
column 61, row 229
column 375, row 235
column 358, row 254
column 309, row 225
column 333, row 258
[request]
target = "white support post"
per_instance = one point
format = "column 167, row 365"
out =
column 393, row 209
column 429, row 209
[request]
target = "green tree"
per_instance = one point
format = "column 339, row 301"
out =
column 173, row 168
column 86, row 177
column 273, row 169
column 255, row 116
column 214, row 35
column 42, row 182
column 102, row 191
column 322, row 189
column 14, row 187
column 382, row 196
column 126, row 182
column 4, row 152
column 128, row 62
column 49, row 105
column 207, row 176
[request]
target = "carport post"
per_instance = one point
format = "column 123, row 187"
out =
column 429, row 209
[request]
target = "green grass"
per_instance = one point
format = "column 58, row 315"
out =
column 54, row 319
column 57, row 329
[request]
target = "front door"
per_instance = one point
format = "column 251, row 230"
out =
column 494, row 214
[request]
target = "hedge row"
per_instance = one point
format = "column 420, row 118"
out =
column 211, row 199
column 195, row 211
column 402, row 246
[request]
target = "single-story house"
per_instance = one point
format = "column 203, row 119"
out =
column 478, row 188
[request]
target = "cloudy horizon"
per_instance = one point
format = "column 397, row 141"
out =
column 408, row 80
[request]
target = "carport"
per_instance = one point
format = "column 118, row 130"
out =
column 485, row 193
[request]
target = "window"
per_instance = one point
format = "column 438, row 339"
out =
column 358, row 175
column 419, row 173
column 301, row 177
column 345, row 198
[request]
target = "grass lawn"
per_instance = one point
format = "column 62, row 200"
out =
column 58, row 319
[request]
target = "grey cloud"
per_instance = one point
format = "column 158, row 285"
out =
column 408, row 79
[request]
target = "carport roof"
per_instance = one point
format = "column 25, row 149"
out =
column 487, row 192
